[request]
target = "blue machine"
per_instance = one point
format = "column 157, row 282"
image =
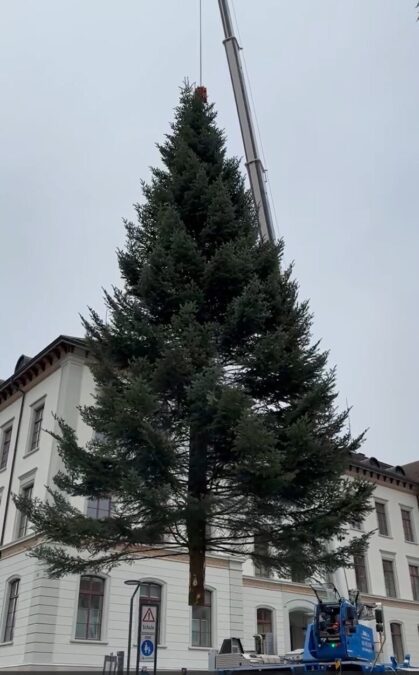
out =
column 337, row 634
column 336, row 641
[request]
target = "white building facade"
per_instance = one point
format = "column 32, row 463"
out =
column 71, row 623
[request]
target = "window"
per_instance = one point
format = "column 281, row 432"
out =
column 414, row 580
column 151, row 593
column 397, row 640
column 261, row 548
column 13, row 595
column 360, row 568
column 23, row 522
column 5, row 446
column 210, row 534
column 389, row 578
column 36, row 427
column 265, row 627
column 297, row 576
column 99, row 507
column 201, row 623
column 356, row 526
column 90, row 608
column 262, row 570
column 407, row 525
column 380, row 509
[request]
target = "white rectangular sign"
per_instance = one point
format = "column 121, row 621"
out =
column 148, row 619
column 148, row 632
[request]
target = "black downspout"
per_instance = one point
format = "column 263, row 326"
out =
column 9, row 487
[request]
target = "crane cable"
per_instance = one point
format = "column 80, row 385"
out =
column 200, row 43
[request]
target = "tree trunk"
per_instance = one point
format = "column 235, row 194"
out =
column 196, row 516
column 196, row 577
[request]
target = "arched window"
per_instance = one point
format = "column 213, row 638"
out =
column 201, row 623
column 12, row 597
column 150, row 592
column 264, row 621
column 397, row 640
column 90, row 608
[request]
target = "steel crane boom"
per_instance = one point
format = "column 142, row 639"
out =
column 254, row 164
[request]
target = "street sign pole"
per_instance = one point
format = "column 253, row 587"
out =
column 137, row 661
column 157, row 635
column 147, row 635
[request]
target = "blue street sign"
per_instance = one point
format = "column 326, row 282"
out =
column 147, row 648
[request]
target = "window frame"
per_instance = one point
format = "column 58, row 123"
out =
column 6, row 610
column 414, row 565
column 296, row 578
column 211, row 606
column 153, row 600
column 101, row 639
column 357, row 527
column 268, row 608
column 22, row 519
column 35, row 407
column 387, row 559
column 365, row 570
column 387, row 533
column 400, row 625
column 408, row 510
column 260, row 569
column 4, row 430
column 98, row 499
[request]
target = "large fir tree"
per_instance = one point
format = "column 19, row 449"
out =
column 215, row 416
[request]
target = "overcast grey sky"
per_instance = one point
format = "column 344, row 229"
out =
column 88, row 87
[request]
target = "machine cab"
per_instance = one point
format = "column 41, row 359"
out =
column 328, row 622
column 337, row 634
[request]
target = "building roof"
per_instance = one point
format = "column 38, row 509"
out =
column 28, row 367
column 373, row 463
column 412, row 470
column 397, row 476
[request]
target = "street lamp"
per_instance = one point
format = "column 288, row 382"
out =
column 137, row 584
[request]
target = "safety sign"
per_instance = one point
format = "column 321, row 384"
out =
column 146, row 648
column 148, row 632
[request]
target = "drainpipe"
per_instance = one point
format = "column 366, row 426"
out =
column 12, row 468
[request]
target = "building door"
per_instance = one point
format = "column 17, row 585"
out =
column 299, row 620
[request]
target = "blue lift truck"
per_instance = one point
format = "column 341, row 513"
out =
column 340, row 639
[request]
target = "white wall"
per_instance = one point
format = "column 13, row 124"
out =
column 393, row 546
column 26, row 463
column 67, row 387
column 24, row 568
column 47, row 609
